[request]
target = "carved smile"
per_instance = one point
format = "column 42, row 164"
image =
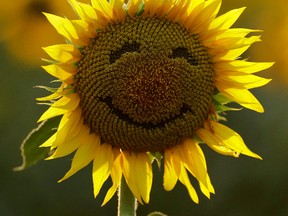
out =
column 184, row 110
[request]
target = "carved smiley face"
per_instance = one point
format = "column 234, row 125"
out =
column 145, row 84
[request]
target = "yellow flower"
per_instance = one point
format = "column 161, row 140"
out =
column 24, row 28
column 144, row 79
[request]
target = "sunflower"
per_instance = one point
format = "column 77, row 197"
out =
column 24, row 28
column 147, row 80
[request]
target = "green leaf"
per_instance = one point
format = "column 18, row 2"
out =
column 221, row 98
column 30, row 151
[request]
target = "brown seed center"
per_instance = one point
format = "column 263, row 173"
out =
column 152, row 88
column 145, row 84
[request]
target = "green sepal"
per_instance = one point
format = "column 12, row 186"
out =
column 52, row 90
column 220, row 102
column 156, row 156
column 30, row 151
column 222, row 108
column 49, row 61
column 141, row 9
column 221, row 98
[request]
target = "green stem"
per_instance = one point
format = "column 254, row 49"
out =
column 127, row 203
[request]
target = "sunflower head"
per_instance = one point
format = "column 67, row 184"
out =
column 145, row 77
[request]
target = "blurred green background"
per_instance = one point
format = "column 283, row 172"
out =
column 244, row 186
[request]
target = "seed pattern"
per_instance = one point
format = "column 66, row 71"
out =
column 145, row 84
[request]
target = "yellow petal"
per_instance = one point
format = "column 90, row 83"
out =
column 210, row 186
column 88, row 15
column 232, row 139
column 240, row 79
column 182, row 11
column 65, row 28
column 227, row 43
column 205, row 17
column 116, row 175
column 65, row 53
column 171, row 173
column 103, row 6
column 50, row 141
column 62, row 72
column 88, row 30
column 164, row 8
column 118, row 9
column 224, row 136
column 62, row 106
column 102, row 166
column 68, row 122
column 151, row 7
column 195, row 4
column 129, row 174
column 69, row 102
column 70, row 144
column 84, row 154
column 213, row 141
column 235, row 32
column 69, row 125
column 133, row 7
column 52, row 112
column 241, row 96
column 194, row 162
column 226, row 20
column 72, row 135
column 241, row 66
column 228, row 54
column 59, row 93
column 206, row 191
column 180, row 158
column 192, row 12
column 220, row 38
column 184, row 179
column 178, row 10
column 84, row 11
column 138, row 174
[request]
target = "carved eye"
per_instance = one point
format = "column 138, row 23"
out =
column 127, row 47
column 181, row 52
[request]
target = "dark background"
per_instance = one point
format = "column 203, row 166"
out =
column 244, row 186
